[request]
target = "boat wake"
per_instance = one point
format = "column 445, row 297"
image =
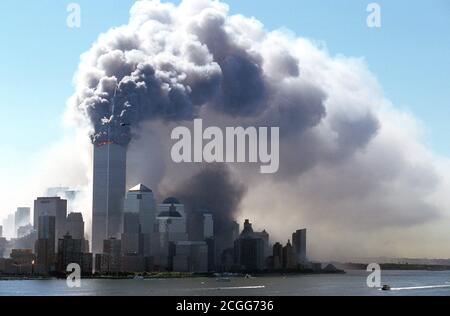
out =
column 425, row 287
column 235, row 288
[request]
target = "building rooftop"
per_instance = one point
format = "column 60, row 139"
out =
column 140, row 188
column 171, row 200
column 172, row 212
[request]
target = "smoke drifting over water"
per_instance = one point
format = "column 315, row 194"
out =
column 350, row 164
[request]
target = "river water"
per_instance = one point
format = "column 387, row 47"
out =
column 403, row 283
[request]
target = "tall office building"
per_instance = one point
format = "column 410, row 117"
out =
column 108, row 192
column 288, row 261
column 200, row 225
column 45, row 244
column 277, row 256
column 21, row 218
column 189, row 256
column 208, row 226
column 249, row 249
column 299, row 246
column 75, row 226
column 172, row 227
column 171, row 219
column 140, row 200
column 51, row 206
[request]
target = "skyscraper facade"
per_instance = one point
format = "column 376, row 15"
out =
column 108, row 192
column 69, row 251
column 51, row 206
column 140, row 200
column 131, row 236
column 299, row 246
column 249, row 249
column 45, row 244
column 75, row 226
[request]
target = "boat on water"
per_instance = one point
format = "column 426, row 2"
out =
column 223, row 279
column 386, row 287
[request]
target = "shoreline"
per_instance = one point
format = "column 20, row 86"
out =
column 170, row 276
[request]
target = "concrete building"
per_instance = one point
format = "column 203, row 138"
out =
column 277, row 256
column 172, row 220
column 108, row 192
column 140, row 200
column 171, row 224
column 52, row 206
column 75, row 226
column 189, row 256
column 133, row 264
column 265, row 237
column 249, row 249
column 87, row 263
column 110, row 261
column 288, row 261
column 208, row 226
column 69, row 251
column 21, row 218
column 299, row 246
column 200, row 225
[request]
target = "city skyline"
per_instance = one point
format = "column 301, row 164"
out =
column 357, row 159
column 163, row 238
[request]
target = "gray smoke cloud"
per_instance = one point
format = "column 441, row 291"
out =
column 348, row 159
column 213, row 190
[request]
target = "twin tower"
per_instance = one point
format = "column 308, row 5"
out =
column 109, row 189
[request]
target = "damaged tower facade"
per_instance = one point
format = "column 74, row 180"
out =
column 109, row 185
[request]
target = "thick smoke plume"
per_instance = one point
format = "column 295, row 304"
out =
column 352, row 168
column 213, row 190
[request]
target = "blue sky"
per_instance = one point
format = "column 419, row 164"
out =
column 410, row 55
